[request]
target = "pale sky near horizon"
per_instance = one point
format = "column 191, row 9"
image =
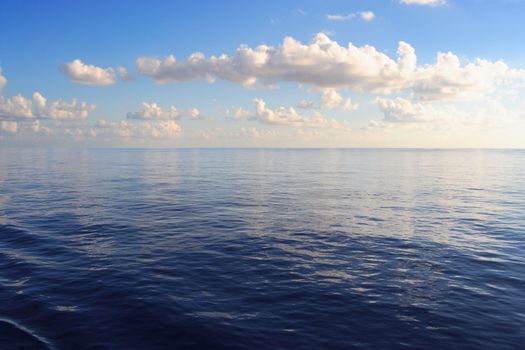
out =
column 263, row 73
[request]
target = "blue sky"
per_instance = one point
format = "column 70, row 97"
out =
column 40, row 38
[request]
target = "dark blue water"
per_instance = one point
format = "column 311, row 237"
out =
column 262, row 249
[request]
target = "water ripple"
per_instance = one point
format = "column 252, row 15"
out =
column 269, row 249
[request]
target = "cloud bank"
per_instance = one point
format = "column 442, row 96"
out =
column 152, row 111
column 20, row 108
column 160, row 129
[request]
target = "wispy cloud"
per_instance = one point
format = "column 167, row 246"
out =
column 424, row 2
column 330, row 99
column 3, row 80
column 367, row 16
column 289, row 116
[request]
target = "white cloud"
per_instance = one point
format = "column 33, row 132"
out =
column 241, row 133
column 159, row 129
column 400, row 110
column 88, row 74
column 448, row 79
column 258, row 133
column 323, row 63
column 16, row 107
column 489, row 113
column 37, row 127
column 124, row 74
column 152, row 111
column 20, row 108
column 194, row 114
column 367, row 15
column 3, row 80
column 331, row 99
column 9, row 126
column 289, row 116
column 237, row 113
column 61, row 110
column 305, row 104
column 364, row 15
column 424, row 2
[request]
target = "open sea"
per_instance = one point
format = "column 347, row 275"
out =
column 262, row 249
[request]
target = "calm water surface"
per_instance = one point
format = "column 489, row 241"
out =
column 262, row 249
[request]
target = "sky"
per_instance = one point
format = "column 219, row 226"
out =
column 262, row 73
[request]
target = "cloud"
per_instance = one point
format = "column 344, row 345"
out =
column 87, row 74
column 152, row 111
column 159, row 129
column 305, row 104
column 3, row 80
column 194, row 114
column 400, row 110
column 9, row 126
column 367, row 16
column 424, row 2
column 489, row 113
column 331, row 99
column 289, row 116
column 61, row 110
column 20, row 108
column 323, row 63
column 237, row 113
column 16, row 107
column 124, row 75
column 448, row 79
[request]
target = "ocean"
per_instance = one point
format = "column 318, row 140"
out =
column 262, row 249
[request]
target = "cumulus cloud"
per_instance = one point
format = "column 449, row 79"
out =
column 305, row 104
column 9, row 126
column 3, row 80
column 159, row 129
column 331, row 99
column 448, row 79
column 16, row 107
column 367, row 16
column 152, row 111
column 401, row 111
column 289, row 116
column 19, row 108
column 323, row 63
column 124, row 74
column 424, row 2
column 60, row 110
column 88, row 74
column 237, row 113
column 194, row 114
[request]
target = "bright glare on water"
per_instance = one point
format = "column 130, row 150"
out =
column 262, row 249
